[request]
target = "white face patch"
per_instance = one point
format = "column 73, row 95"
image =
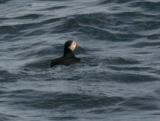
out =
column 73, row 46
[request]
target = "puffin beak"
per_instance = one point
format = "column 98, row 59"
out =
column 77, row 46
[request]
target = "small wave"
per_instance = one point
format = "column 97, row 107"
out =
column 16, row 29
column 142, row 103
column 131, row 77
column 147, row 25
column 29, row 16
column 74, row 22
column 7, row 77
column 61, row 118
column 102, row 2
column 61, row 100
column 120, row 61
column 55, row 8
column 130, row 68
column 148, row 5
column 4, row 1
column 94, row 26
column 146, row 44
column 6, row 117
column 41, row 64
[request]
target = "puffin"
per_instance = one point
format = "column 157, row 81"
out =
column 68, row 56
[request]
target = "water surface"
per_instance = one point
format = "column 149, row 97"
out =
column 118, row 78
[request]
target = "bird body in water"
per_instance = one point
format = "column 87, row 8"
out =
column 68, row 56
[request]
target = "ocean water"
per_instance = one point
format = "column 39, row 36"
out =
column 118, row 78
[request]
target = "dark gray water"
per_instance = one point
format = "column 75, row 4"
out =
column 118, row 78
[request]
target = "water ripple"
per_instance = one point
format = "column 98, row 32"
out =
column 118, row 78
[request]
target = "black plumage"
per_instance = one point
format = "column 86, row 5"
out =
column 68, row 55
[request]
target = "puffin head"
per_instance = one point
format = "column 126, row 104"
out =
column 70, row 46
